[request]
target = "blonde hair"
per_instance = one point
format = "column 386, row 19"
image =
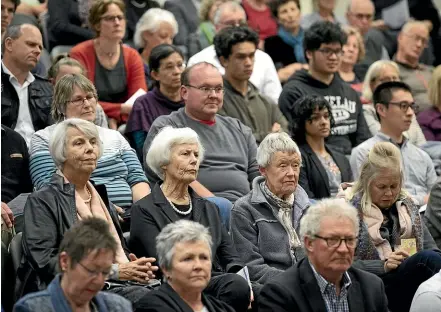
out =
column 434, row 91
column 99, row 8
column 351, row 31
column 205, row 9
column 373, row 73
column 382, row 156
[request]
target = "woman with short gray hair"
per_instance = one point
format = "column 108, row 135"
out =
column 271, row 212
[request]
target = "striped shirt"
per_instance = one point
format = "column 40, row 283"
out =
column 118, row 168
column 333, row 302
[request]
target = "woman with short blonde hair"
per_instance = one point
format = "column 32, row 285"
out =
column 353, row 53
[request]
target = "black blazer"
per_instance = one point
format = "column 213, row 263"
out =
column 296, row 289
column 165, row 299
column 152, row 213
column 281, row 52
column 313, row 177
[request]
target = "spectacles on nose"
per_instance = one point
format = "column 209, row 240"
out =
column 94, row 274
column 416, row 38
column 80, row 102
column 207, row 90
column 234, row 23
column 404, row 106
column 111, row 18
column 328, row 52
column 335, row 242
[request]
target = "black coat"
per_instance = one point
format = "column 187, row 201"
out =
column 313, row 177
column 297, row 289
column 48, row 214
column 152, row 213
column 165, row 299
column 281, row 52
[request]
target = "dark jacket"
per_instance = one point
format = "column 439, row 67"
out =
column 432, row 216
column 48, row 214
column 165, row 299
column 313, row 177
column 40, row 101
column 152, row 213
column 297, row 290
column 281, row 52
column 186, row 15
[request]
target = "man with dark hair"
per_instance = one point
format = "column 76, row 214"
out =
column 323, row 44
column 26, row 98
column 8, row 11
column 395, row 108
column 235, row 47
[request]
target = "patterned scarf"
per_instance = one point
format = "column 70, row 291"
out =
column 296, row 42
column 284, row 214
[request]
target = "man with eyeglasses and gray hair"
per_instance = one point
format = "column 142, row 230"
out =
column 325, row 280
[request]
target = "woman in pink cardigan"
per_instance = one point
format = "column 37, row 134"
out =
column 116, row 70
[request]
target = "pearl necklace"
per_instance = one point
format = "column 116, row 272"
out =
column 184, row 213
column 90, row 196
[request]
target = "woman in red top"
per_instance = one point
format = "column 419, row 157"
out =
column 260, row 19
column 116, row 70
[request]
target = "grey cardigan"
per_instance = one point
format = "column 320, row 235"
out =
column 260, row 238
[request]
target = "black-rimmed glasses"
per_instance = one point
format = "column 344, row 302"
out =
column 207, row 90
column 404, row 106
column 94, row 274
column 335, row 242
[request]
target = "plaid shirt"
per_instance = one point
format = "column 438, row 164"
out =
column 333, row 302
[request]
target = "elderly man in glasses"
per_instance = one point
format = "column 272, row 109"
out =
column 395, row 107
column 325, row 280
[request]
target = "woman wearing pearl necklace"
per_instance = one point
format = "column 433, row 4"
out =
column 175, row 156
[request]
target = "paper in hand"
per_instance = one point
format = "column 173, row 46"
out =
column 409, row 245
column 244, row 273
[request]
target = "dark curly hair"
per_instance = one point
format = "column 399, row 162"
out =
column 276, row 4
column 302, row 111
column 323, row 32
column 230, row 36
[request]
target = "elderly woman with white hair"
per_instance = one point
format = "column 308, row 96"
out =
column 175, row 156
column 265, row 222
column 155, row 27
column 185, row 256
column 75, row 146
column 378, row 73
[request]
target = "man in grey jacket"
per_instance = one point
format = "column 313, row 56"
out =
column 432, row 216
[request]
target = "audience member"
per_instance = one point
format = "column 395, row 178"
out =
column 395, row 108
column 378, row 73
column 204, row 36
column 15, row 171
column 412, row 40
column 67, row 22
column 166, row 64
column 432, row 215
column 323, row 11
column 135, row 9
column 119, row 168
column 235, row 48
column 115, row 69
column 390, row 221
column 260, row 19
column 353, row 53
column 64, row 65
column 271, row 211
column 26, row 99
column 186, row 13
column 323, row 45
column 430, row 119
column 75, row 147
column 286, row 48
column 155, row 27
column 175, row 156
column 325, row 280
column 428, row 296
column 8, row 9
column 323, row 169
column 264, row 75
column 177, row 241
column 85, row 258
column 230, row 147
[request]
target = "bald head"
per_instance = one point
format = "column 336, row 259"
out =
column 360, row 14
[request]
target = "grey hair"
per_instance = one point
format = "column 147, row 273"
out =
column 310, row 224
column 159, row 152
column 373, row 73
column 182, row 231
column 230, row 5
column 150, row 21
column 12, row 32
column 273, row 143
column 58, row 140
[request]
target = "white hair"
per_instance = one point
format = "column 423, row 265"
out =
column 150, row 21
column 58, row 140
column 373, row 73
column 174, row 233
column 230, row 5
column 310, row 224
column 158, row 154
column 273, row 143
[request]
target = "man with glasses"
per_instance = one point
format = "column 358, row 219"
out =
column 395, row 107
column 325, row 280
column 412, row 40
column 323, row 44
column 264, row 76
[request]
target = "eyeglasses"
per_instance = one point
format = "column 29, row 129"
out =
column 80, row 102
column 234, row 23
column 94, row 274
column 328, row 52
column 207, row 90
column 111, row 18
column 335, row 242
column 404, row 106
column 415, row 37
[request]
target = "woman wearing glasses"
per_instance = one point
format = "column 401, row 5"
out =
column 116, row 70
column 392, row 236
column 119, row 169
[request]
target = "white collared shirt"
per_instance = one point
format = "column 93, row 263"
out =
column 24, row 124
